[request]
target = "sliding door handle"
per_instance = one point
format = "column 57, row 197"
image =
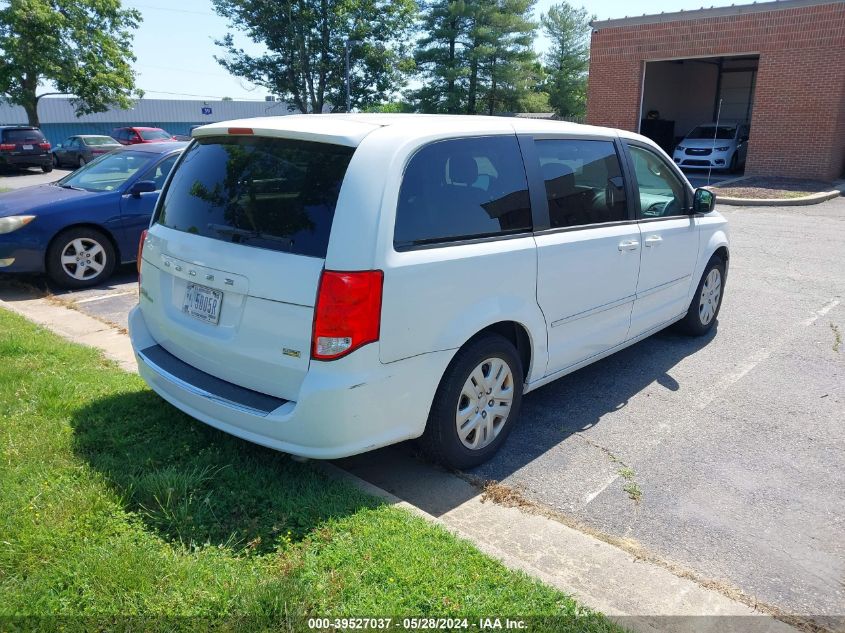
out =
column 653, row 240
column 629, row 245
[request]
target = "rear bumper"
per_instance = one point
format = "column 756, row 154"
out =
column 31, row 160
column 345, row 407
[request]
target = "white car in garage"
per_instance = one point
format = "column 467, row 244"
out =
column 328, row 284
column 712, row 146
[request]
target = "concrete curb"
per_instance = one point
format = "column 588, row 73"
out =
column 815, row 198
column 637, row 593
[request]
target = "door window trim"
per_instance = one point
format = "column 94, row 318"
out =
column 537, row 186
column 463, row 241
column 688, row 191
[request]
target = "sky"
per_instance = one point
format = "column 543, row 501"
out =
column 175, row 44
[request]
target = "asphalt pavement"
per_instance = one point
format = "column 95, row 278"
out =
column 19, row 179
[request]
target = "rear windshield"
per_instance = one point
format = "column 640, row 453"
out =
column 277, row 194
column 23, row 136
column 153, row 135
column 98, row 140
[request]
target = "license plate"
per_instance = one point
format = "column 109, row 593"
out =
column 27, row 147
column 203, row 303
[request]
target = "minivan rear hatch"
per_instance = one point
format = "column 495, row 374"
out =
column 234, row 256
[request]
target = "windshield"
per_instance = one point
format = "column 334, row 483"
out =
column 99, row 140
column 276, row 194
column 108, row 172
column 724, row 132
column 154, row 135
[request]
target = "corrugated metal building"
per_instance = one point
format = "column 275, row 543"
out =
column 58, row 119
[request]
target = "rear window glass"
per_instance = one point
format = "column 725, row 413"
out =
column 462, row 189
column 278, row 194
column 23, row 136
column 154, row 135
column 96, row 141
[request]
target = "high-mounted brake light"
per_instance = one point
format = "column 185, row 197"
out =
column 240, row 130
column 348, row 313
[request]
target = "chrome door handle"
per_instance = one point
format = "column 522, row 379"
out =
column 629, row 245
column 653, row 240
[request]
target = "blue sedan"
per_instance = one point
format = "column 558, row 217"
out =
column 78, row 228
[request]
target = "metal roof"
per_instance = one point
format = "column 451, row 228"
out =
column 712, row 12
column 60, row 110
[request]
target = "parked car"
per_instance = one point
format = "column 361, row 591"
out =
column 138, row 135
column 712, row 146
column 78, row 228
column 326, row 285
column 78, row 150
column 24, row 146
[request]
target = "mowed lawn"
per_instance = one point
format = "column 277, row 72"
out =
column 113, row 503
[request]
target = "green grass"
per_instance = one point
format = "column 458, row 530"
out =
column 4, row 189
column 113, row 504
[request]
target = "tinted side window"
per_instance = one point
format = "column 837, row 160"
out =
column 661, row 191
column 270, row 193
column 158, row 174
column 463, row 188
column 583, row 182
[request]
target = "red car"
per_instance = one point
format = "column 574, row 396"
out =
column 136, row 135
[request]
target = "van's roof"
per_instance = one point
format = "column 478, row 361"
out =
column 350, row 129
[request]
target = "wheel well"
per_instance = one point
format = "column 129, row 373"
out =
column 88, row 225
column 516, row 334
column 722, row 253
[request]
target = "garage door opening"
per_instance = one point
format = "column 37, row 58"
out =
column 680, row 95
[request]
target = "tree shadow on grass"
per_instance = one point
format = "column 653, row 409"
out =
column 195, row 485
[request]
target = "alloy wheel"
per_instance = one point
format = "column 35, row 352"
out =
column 83, row 259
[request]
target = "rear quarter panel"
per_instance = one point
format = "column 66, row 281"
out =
column 434, row 299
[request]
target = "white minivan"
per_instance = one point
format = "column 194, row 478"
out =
column 328, row 284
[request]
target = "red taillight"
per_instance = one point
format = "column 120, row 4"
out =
column 240, row 130
column 45, row 145
column 141, row 249
column 7, row 147
column 348, row 313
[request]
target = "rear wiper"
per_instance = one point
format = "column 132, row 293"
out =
column 247, row 234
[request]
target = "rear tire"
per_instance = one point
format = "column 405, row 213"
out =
column 80, row 257
column 707, row 300
column 47, row 168
column 476, row 404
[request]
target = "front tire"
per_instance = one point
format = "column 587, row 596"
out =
column 56, row 163
column 80, row 258
column 82, row 162
column 707, row 300
column 476, row 404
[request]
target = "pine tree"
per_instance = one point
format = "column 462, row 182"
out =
column 568, row 59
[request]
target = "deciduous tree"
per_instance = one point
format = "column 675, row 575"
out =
column 78, row 47
column 306, row 43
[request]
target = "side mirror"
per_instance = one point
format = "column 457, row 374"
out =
column 142, row 186
column 58, row 146
column 703, row 201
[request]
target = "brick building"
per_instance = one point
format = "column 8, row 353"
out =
column 779, row 66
